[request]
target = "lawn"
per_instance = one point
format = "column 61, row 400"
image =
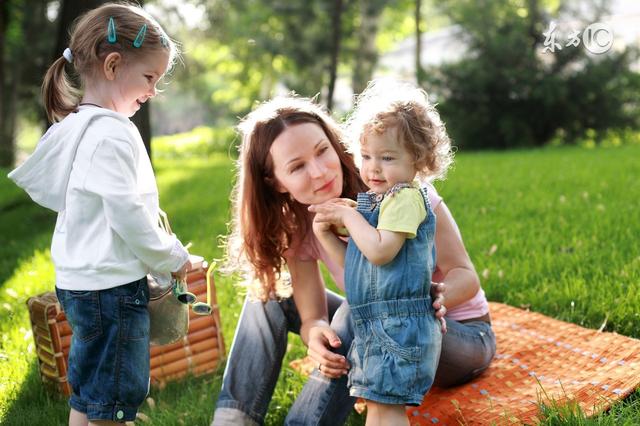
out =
column 554, row 230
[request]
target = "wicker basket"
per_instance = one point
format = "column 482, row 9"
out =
column 199, row 352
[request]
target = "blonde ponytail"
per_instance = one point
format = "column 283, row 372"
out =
column 59, row 95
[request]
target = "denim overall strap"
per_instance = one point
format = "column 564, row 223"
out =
column 360, row 269
column 431, row 222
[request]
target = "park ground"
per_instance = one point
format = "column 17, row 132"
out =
column 553, row 230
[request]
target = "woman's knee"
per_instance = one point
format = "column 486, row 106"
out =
column 467, row 351
column 342, row 324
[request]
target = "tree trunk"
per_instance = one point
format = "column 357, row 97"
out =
column 534, row 17
column 7, row 150
column 336, row 23
column 142, row 120
column 69, row 11
column 419, row 69
column 366, row 54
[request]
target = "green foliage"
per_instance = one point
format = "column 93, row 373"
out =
column 507, row 93
column 563, row 221
column 608, row 138
column 199, row 142
column 27, row 54
column 251, row 50
column 250, row 46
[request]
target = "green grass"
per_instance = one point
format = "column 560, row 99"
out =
column 554, row 230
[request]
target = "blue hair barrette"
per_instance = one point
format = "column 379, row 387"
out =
column 164, row 41
column 140, row 37
column 111, row 31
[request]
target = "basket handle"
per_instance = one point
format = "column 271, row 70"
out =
column 163, row 222
column 210, row 269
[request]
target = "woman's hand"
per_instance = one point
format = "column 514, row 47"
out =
column 437, row 295
column 321, row 339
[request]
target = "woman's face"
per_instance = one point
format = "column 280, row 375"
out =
column 306, row 165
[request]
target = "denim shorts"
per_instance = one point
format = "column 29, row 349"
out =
column 109, row 355
column 395, row 353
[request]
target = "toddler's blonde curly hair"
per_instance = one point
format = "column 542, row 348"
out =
column 390, row 104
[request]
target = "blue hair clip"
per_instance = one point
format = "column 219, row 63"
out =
column 111, row 32
column 164, row 41
column 140, row 37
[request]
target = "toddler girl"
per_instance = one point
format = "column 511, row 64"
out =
column 92, row 168
column 390, row 256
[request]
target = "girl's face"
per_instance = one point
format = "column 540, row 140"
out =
column 385, row 161
column 136, row 82
column 306, row 165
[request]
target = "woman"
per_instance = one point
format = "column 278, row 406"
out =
column 292, row 155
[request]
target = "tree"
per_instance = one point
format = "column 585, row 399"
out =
column 253, row 45
column 365, row 54
column 6, row 141
column 336, row 31
column 507, row 93
column 24, row 54
column 418, row 19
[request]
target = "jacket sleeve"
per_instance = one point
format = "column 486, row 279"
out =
column 112, row 176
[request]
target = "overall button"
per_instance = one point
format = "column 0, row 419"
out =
column 120, row 414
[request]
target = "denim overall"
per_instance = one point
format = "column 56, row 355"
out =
column 397, row 342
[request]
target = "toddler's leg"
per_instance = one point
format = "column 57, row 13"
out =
column 386, row 414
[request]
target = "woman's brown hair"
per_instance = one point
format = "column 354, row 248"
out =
column 265, row 220
column 90, row 45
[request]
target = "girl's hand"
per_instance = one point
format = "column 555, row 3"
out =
column 181, row 273
column 330, row 364
column 437, row 295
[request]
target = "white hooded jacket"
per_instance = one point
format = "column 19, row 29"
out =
column 92, row 168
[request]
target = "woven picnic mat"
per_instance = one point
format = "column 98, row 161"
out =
column 538, row 359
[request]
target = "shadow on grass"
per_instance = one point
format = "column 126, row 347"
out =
column 36, row 405
column 196, row 195
column 25, row 227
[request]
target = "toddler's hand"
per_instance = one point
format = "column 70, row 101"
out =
column 332, row 211
column 181, row 273
column 320, row 226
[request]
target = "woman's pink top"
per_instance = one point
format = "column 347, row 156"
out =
column 311, row 249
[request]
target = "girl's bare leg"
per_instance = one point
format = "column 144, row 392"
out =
column 386, row 414
column 76, row 418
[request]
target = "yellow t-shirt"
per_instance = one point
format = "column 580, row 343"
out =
column 402, row 212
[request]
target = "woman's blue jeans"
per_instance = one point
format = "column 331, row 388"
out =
column 260, row 344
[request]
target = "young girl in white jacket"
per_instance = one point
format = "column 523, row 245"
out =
column 92, row 168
